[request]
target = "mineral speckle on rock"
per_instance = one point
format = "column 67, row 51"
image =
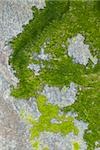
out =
column 61, row 97
column 79, row 51
column 42, row 55
column 12, row 135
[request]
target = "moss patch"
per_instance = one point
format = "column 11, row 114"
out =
column 48, row 111
column 76, row 146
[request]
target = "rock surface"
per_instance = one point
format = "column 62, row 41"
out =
column 14, row 134
column 79, row 51
column 42, row 56
column 64, row 97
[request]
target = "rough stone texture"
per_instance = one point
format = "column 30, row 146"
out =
column 42, row 55
column 5, row 70
column 28, row 106
column 62, row 98
column 79, row 51
column 14, row 133
column 57, row 141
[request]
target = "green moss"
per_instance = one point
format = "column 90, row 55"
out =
column 59, row 21
column 87, row 106
column 60, row 70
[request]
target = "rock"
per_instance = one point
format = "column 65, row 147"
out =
column 42, row 56
column 57, row 141
column 34, row 67
column 28, row 106
column 62, row 98
column 14, row 134
column 79, row 51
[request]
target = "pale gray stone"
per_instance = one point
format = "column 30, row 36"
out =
column 35, row 67
column 42, row 55
column 64, row 97
column 79, row 51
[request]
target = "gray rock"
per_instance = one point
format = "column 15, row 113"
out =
column 34, row 67
column 57, row 141
column 79, row 51
column 62, row 98
column 42, row 55
column 14, row 134
column 28, row 106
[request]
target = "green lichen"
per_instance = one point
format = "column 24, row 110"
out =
column 49, row 111
column 76, row 146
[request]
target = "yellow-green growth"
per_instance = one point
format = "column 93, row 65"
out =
column 76, row 146
column 48, row 112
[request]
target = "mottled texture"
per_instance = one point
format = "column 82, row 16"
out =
column 13, row 15
column 14, row 134
column 58, row 141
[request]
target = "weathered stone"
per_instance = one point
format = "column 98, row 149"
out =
column 79, row 51
column 62, row 98
column 14, row 134
column 34, row 67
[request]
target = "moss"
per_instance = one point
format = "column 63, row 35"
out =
column 60, row 70
column 58, row 22
column 87, row 106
